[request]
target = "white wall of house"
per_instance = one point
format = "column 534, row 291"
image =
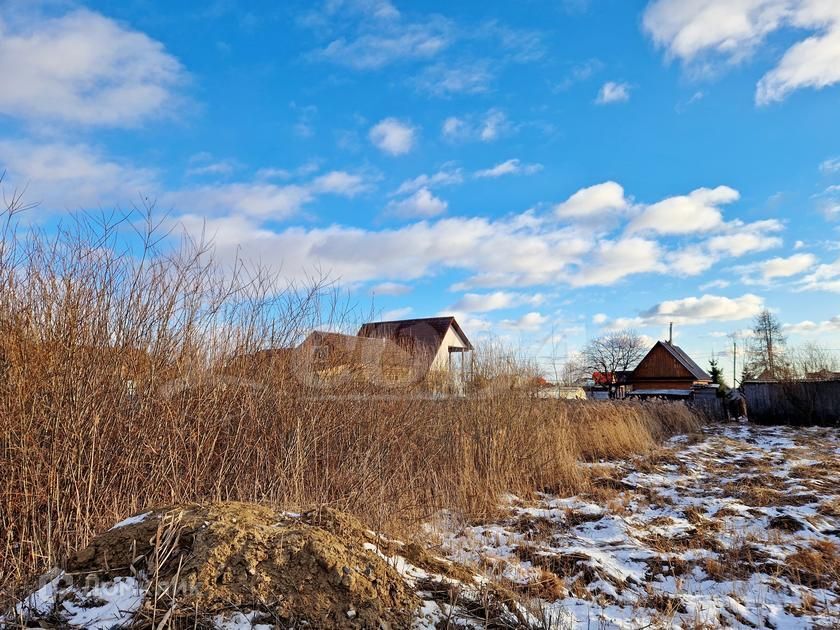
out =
column 451, row 340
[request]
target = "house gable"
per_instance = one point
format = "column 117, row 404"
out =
column 669, row 364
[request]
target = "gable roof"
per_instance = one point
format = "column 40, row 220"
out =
column 427, row 331
column 686, row 361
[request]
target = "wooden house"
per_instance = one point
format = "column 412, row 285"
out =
column 668, row 372
column 437, row 344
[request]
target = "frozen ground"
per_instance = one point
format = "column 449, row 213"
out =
column 739, row 527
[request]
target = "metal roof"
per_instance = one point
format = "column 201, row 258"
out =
column 686, row 361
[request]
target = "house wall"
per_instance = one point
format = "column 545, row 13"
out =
column 661, row 365
column 663, row 384
column 441, row 360
column 796, row 402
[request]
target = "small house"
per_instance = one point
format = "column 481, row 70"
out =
column 667, row 372
column 437, row 344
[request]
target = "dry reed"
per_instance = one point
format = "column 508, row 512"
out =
column 123, row 385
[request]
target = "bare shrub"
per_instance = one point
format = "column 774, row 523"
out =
column 136, row 373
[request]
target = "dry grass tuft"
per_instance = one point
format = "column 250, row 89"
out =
column 128, row 379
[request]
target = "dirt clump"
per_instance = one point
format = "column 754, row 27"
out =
column 319, row 568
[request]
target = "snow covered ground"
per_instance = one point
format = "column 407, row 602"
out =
column 739, row 528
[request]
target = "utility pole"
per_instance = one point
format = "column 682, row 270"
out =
column 734, row 359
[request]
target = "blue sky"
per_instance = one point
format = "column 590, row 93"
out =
column 545, row 170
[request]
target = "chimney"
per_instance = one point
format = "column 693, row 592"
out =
column 671, row 333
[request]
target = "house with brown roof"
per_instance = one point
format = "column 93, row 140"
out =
column 667, row 371
column 437, row 344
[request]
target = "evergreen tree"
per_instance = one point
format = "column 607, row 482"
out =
column 716, row 372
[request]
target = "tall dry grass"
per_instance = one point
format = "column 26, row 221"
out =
column 123, row 385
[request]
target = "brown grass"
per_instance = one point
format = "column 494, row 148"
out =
column 123, row 385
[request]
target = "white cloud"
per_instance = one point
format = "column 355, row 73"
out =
column 484, row 302
column 715, row 284
column 733, row 30
column 72, row 176
column 593, row 201
column 768, row 270
column 445, row 80
column 263, row 199
column 831, row 165
column 447, row 176
column 825, row 277
column 813, row 62
column 498, row 300
column 422, row 204
column 494, row 125
column 738, row 238
column 529, row 322
column 535, row 253
column 83, row 68
column 488, row 127
column 733, row 239
column 809, row 327
column 340, row 183
column 509, row 167
column 694, row 311
column 213, row 168
column 612, row 92
column 393, row 136
column 613, row 260
column 685, row 214
column 390, row 42
column 391, row 288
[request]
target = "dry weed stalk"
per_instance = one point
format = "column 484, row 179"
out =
column 130, row 376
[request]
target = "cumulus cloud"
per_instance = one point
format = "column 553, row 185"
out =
column 72, row 176
column 593, row 202
column 694, row 311
column 825, row 277
column 498, row 300
column 263, row 199
column 732, row 239
column 83, row 68
column 766, row 271
column 509, row 167
column 696, row 212
column 339, row 183
column 612, row 92
column 733, row 30
column 393, row 136
column 809, row 327
column 529, row 322
column 738, row 238
column 422, row 204
column 613, row 260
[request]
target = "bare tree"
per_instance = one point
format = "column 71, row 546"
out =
column 767, row 347
column 573, row 370
column 614, row 353
column 812, row 358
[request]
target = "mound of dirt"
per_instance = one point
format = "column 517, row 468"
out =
column 238, row 565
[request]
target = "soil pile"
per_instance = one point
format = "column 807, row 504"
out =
column 237, row 565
